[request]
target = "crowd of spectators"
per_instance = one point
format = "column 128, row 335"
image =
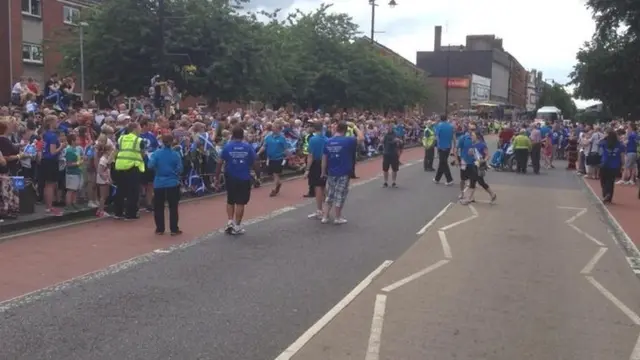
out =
column 61, row 149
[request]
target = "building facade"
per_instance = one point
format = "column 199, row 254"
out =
column 517, row 84
column 534, row 87
column 483, row 56
column 25, row 27
column 464, row 92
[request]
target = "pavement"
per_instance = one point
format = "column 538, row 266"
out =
column 625, row 207
column 536, row 276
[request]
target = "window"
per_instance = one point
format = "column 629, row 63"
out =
column 70, row 15
column 31, row 7
column 32, row 53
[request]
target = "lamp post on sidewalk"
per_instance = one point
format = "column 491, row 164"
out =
column 83, row 24
column 373, row 3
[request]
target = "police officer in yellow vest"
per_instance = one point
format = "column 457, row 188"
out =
column 351, row 132
column 129, row 165
column 429, row 142
column 305, row 152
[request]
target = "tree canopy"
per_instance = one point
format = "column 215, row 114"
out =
column 606, row 67
column 215, row 49
column 556, row 95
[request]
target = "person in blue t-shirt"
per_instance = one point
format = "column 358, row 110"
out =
column 49, row 167
column 149, row 144
column 313, row 172
column 630, row 157
column 611, row 150
column 337, row 164
column 445, row 141
column 555, row 134
column 464, row 147
column 474, row 154
column 238, row 158
column 276, row 147
column 167, row 168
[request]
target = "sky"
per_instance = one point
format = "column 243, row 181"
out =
column 543, row 35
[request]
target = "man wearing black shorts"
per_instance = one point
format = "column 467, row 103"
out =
column 313, row 171
column 276, row 147
column 390, row 156
column 238, row 158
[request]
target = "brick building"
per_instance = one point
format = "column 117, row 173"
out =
column 24, row 27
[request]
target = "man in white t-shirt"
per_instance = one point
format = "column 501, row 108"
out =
column 16, row 92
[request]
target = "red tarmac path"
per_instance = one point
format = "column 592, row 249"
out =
column 32, row 262
column 625, row 208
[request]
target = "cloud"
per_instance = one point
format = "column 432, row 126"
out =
column 544, row 35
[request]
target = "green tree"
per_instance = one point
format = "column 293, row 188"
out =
column 313, row 59
column 556, row 95
column 606, row 66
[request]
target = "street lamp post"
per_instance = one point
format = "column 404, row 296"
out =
column 82, row 87
column 446, row 90
column 392, row 3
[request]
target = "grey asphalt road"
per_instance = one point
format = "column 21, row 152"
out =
column 536, row 276
column 228, row 298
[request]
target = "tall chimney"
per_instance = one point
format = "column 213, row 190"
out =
column 437, row 41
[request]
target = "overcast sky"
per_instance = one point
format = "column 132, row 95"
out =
column 543, row 34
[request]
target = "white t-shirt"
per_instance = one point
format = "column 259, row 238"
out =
column 17, row 88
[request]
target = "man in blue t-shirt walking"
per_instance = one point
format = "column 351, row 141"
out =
column 445, row 141
column 238, row 158
column 276, row 147
column 337, row 164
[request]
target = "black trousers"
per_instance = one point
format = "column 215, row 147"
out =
column 536, row 150
column 170, row 195
column 355, row 159
column 522, row 157
column 128, row 183
column 608, row 181
column 312, row 189
column 443, row 165
column 429, row 155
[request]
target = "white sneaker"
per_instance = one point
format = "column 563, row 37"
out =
column 315, row 215
column 340, row 221
column 229, row 228
column 620, row 182
column 324, row 220
column 436, row 181
column 237, row 230
column 93, row 204
column 449, row 183
column 629, row 183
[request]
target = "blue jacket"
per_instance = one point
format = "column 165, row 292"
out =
column 167, row 164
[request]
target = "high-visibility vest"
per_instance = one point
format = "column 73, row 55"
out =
column 305, row 144
column 428, row 139
column 129, row 153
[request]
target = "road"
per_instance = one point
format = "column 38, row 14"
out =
column 515, row 280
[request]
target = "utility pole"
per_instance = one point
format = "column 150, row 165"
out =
column 392, row 4
column 446, row 91
column 373, row 19
column 161, row 57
